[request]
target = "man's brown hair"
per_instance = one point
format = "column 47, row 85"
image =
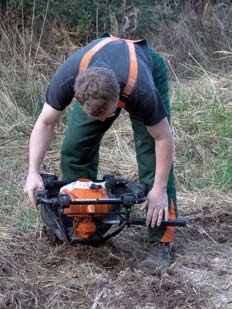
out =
column 96, row 88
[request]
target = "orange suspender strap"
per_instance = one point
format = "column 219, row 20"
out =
column 133, row 68
column 133, row 72
column 87, row 56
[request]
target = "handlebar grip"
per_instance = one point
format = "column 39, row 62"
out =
column 38, row 194
column 170, row 222
column 174, row 222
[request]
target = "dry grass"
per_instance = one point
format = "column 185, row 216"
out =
column 205, row 38
column 34, row 274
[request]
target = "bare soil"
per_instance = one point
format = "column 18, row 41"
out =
column 35, row 274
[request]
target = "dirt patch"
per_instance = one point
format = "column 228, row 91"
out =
column 34, row 274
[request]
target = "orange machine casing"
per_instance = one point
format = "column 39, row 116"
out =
column 83, row 223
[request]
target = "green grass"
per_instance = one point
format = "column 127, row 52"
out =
column 202, row 120
column 14, row 209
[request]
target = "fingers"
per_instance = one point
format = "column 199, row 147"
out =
column 155, row 214
column 163, row 214
column 33, row 182
column 30, row 193
column 39, row 187
column 144, row 205
column 154, row 217
column 166, row 214
column 160, row 217
column 32, row 198
column 150, row 214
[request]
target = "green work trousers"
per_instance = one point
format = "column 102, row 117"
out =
column 80, row 150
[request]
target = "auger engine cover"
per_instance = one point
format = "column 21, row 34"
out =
column 83, row 214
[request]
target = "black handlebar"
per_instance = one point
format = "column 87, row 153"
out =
column 64, row 200
column 126, row 200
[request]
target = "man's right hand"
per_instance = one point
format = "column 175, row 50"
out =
column 34, row 181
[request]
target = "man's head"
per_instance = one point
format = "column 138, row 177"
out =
column 97, row 90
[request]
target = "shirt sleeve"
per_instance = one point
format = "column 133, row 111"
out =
column 59, row 94
column 60, row 91
column 150, row 108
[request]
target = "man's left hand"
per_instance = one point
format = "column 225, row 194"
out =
column 157, row 204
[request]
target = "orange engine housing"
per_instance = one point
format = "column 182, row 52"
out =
column 84, row 224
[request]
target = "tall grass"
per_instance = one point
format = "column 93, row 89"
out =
column 202, row 122
column 22, row 88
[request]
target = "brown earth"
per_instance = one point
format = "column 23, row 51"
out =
column 35, row 274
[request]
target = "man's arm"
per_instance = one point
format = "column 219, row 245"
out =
column 157, row 199
column 39, row 142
